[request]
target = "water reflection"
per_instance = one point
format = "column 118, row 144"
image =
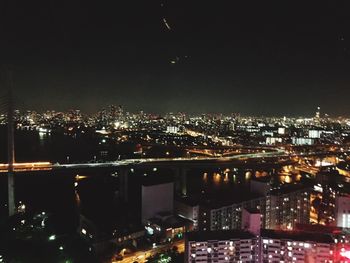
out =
column 205, row 177
column 226, row 178
column 216, row 180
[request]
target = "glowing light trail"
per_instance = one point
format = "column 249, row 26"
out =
column 166, row 24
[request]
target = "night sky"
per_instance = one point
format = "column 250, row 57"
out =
column 252, row 57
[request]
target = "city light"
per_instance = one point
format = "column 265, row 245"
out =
column 345, row 254
column 175, row 131
column 27, row 166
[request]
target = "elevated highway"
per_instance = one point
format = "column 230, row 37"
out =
column 187, row 161
column 179, row 166
column 261, row 157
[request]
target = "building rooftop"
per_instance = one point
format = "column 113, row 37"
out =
column 156, row 180
column 289, row 188
column 218, row 200
column 251, row 210
column 128, row 230
column 218, row 235
column 265, row 233
column 172, row 221
column 263, row 179
column 297, row 236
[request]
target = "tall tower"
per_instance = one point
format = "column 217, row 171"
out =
column 318, row 113
column 11, row 150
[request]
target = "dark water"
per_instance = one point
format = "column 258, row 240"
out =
column 35, row 146
column 95, row 196
column 63, row 147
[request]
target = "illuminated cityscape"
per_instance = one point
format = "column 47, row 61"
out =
column 226, row 183
column 174, row 131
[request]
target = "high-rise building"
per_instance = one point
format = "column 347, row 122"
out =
column 342, row 211
column 221, row 246
column 315, row 134
column 280, row 208
column 295, row 246
column 229, row 217
column 251, row 221
column 189, row 210
column 268, row 246
column 302, row 141
column 318, row 113
column 156, row 198
column 286, row 207
column 172, row 129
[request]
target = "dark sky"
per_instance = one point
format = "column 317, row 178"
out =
column 254, row 57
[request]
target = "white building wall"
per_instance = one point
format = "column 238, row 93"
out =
column 263, row 250
column 155, row 199
column 342, row 211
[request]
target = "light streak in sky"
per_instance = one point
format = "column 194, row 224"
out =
column 166, row 24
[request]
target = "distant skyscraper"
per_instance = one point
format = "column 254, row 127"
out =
column 120, row 110
column 318, row 113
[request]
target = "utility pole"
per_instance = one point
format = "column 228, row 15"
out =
column 11, row 149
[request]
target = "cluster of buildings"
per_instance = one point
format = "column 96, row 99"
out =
column 262, row 223
column 276, row 228
column 265, row 223
column 232, row 129
column 281, row 207
column 264, row 246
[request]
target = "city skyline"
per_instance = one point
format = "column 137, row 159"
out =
column 174, row 131
column 317, row 113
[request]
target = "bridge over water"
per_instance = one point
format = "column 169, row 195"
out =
column 179, row 166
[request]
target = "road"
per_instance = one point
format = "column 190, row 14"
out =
column 141, row 256
column 308, row 169
column 47, row 165
column 37, row 166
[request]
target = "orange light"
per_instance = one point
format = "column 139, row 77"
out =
column 32, row 164
column 27, row 166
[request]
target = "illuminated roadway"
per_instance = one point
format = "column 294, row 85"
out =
column 171, row 160
column 277, row 153
column 141, row 256
column 39, row 166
